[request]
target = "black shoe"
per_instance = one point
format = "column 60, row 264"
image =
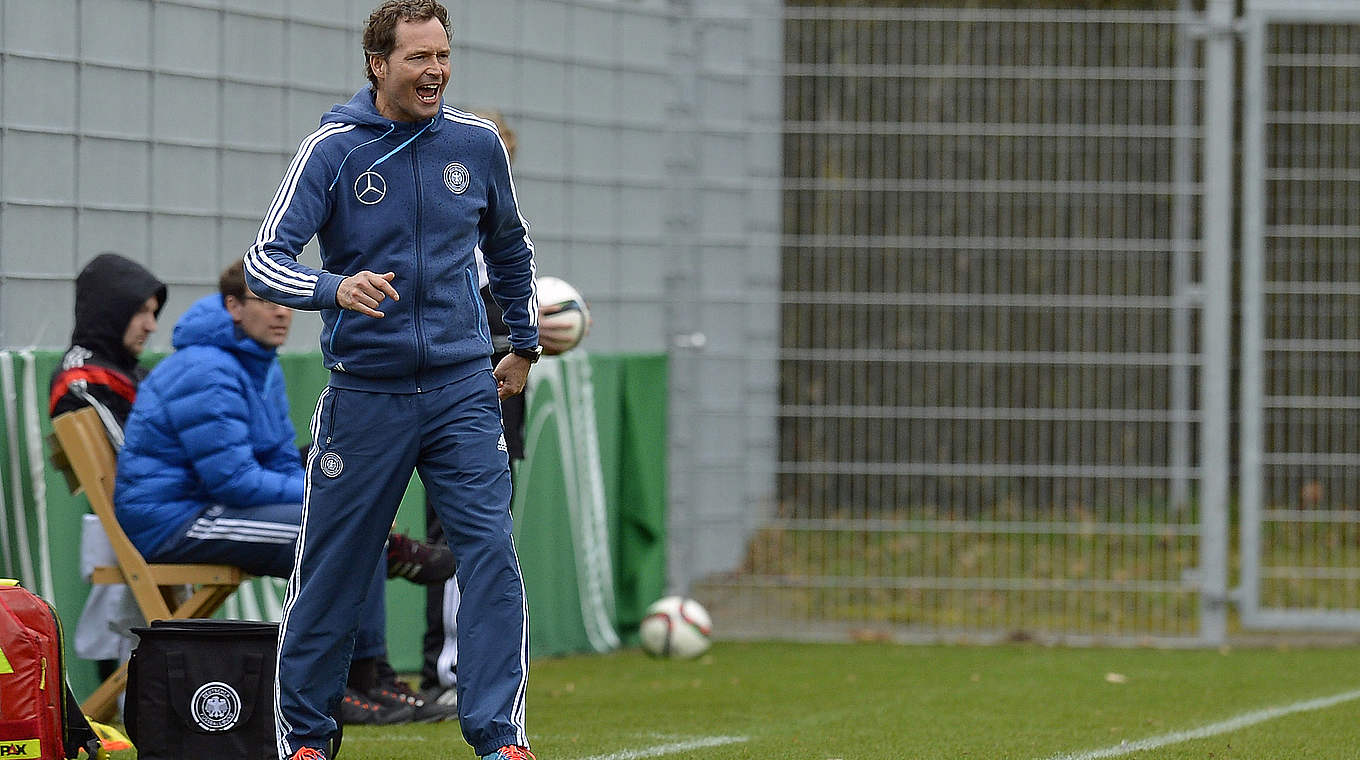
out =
column 441, row 695
column 356, row 709
column 418, row 561
column 397, row 692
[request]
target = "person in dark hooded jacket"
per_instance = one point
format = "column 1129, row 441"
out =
column 117, row 304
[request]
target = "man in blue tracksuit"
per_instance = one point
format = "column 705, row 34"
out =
column 399, row 190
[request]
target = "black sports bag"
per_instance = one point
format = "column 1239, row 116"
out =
column 203, row 688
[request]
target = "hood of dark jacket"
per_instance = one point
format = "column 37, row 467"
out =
column 109, row 292
column 208, row 323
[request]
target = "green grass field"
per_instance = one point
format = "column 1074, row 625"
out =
column 873, row 701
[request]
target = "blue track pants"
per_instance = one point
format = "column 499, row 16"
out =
column 366, row 446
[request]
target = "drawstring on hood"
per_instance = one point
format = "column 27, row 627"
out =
column 409, row 140
column 361, row 110
column 341, row 167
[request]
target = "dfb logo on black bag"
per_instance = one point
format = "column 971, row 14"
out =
column 203, row 688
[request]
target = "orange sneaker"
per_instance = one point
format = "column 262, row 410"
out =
column 308, row 753
column 511, row 752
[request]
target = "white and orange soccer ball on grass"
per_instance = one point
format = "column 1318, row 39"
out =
column 676, row 626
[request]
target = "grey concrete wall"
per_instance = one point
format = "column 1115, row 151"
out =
column 725, row 226
column 158, row 130
column 648, row 169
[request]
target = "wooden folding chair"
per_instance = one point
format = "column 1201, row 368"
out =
column 81, row 450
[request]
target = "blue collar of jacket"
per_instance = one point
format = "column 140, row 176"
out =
column 208, row 323
column 363, row 110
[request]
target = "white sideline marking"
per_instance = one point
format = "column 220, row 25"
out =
column 669, row 749
column 1214, row 729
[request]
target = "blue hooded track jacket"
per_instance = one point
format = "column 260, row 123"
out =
column 415, row 199
column 210, row 426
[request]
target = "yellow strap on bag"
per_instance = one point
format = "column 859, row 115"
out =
column 5, row 667
column 111, row 738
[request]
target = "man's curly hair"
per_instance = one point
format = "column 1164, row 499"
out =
column 380, row 35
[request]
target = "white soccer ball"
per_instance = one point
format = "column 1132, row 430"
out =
column 568, row 325
column 676, row 627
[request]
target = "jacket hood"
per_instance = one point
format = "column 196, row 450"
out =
column 109, row 291
column 362, row 109
column 208, row 323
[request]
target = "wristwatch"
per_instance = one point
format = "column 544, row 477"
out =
column 531, row 354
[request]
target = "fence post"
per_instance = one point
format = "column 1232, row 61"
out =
column 1253, row 206
column 1215, row 323
column 1187, row 294
column 682, row 224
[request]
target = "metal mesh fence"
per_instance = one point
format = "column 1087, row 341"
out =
column 1302, row 345
column 986, row 417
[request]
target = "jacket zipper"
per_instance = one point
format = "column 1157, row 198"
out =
column 420, row 268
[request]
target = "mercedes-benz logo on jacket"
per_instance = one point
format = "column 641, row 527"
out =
column 370, row 188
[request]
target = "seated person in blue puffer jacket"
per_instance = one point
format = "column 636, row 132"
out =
column 209, row 471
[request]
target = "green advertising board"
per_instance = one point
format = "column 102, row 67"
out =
column 590, row 503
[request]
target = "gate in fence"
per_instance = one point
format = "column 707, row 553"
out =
column 1006, row 344
column 1300, row 456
